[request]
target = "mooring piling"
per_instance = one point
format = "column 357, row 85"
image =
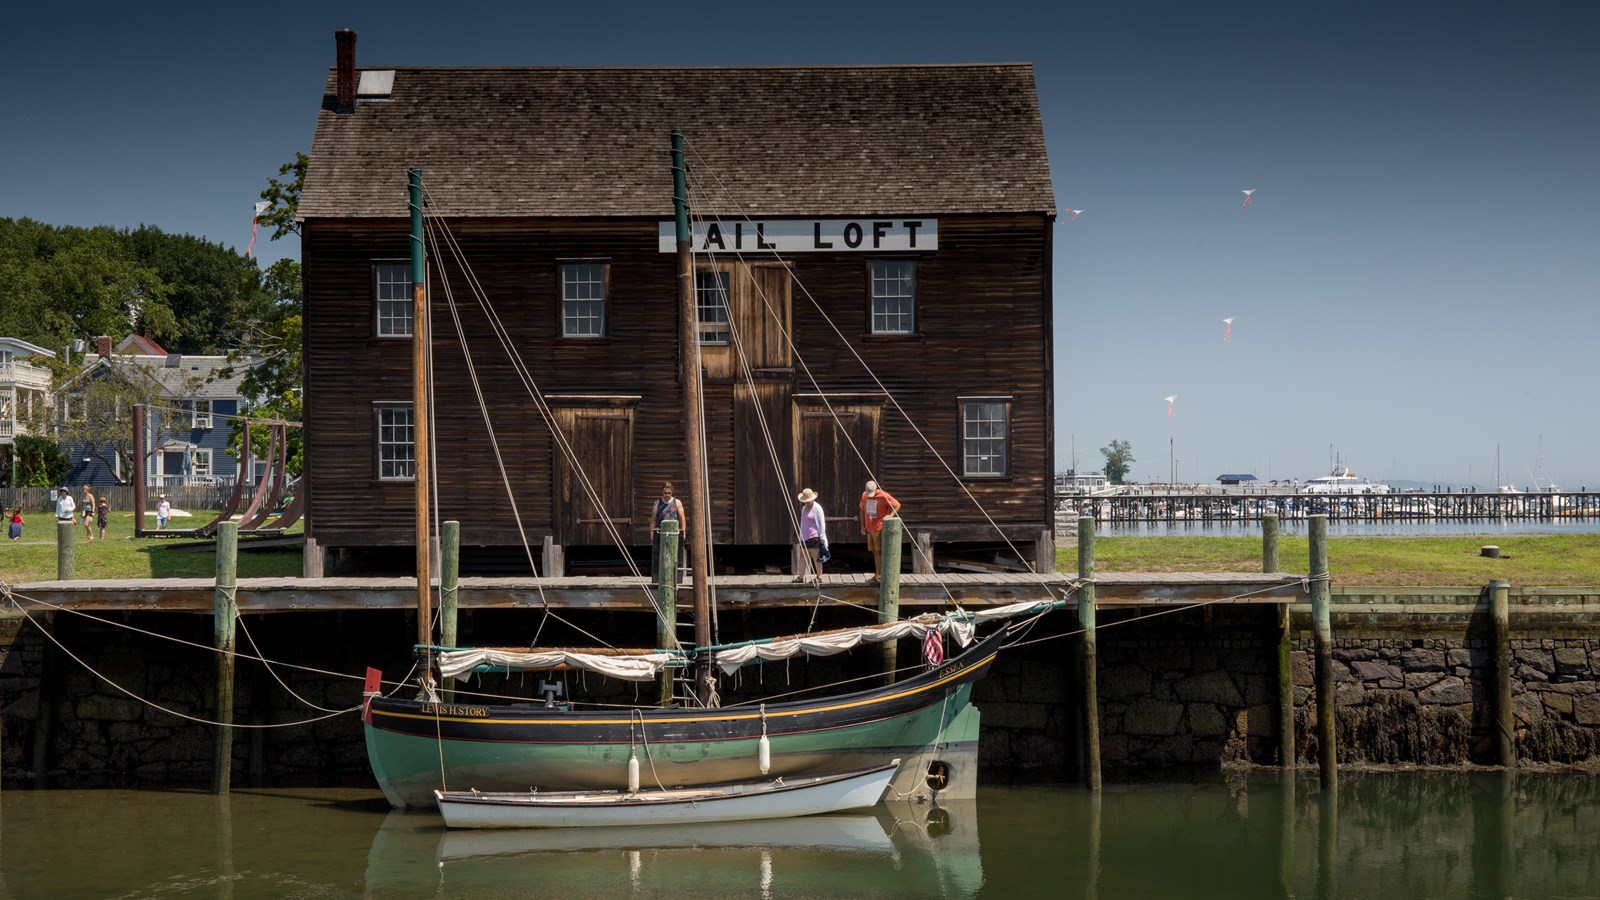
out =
column 65, row 561
column 223, row 617
column 1500, row 628
column 889, row 591
column 1269, row 543
column 1322, row 623
column 449, row 592
column 1269, row 564
column 1088, row 656
column 667, row 600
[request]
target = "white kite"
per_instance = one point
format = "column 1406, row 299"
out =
column 1247, row 201
column 261, row 207
column 1227, row 336
column 1075, row 214
column 1169, row 404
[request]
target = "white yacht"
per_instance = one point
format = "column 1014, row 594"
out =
column 1343, row 481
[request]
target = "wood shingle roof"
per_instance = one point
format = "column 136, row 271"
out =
column 815, row 140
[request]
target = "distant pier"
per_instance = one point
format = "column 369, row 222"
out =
column 1213, row 505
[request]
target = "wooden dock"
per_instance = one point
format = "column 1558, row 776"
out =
column 264, row 595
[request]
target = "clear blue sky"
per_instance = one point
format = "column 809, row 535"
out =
column 1418, row 282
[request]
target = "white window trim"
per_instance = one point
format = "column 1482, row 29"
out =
column 200, row 469
column 605, row 297
column 872, row 298
column 377, row 301
column 1005, row 442
column 198, row 419
column 378, row 406
column 725, row 328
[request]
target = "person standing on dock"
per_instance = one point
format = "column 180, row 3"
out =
column 667, row 509
column 877, row 504
column 86, row 506
column 814, row 534
column 164, row 512
column 65, row 507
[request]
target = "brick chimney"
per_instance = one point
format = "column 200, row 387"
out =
column 103, row 345
column 345, row 82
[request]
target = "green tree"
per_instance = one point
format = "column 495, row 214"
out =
column 284, row 195
column 39, row 462
column 1119, row 459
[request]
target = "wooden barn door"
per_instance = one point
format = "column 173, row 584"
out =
column 832, row 444
column 601, row 438
column 764, row 475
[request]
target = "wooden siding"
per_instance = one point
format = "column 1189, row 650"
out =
column 982, row 329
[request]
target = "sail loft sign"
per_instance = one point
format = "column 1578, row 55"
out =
column 805, row 235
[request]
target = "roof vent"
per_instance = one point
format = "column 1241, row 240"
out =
column 376, row 84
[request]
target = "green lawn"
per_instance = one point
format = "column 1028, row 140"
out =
column 1555, row 560
column 121, row 555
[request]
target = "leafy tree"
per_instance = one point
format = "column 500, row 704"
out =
column 94, row 415
column 1119, row 459
column 213, row 292
column 39, row 463
column 284, row 195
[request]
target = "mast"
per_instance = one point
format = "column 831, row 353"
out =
column 419, row 426
column 689, row 374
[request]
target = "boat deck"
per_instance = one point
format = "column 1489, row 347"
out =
column 260, row 595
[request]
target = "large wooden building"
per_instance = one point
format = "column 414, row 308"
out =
column 874, row 293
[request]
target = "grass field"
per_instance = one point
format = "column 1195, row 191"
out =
column 121, row 555
column 1554, row 560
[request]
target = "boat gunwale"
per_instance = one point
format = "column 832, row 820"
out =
column 610, row 799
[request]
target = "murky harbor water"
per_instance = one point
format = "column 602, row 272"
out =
column 1388, row 835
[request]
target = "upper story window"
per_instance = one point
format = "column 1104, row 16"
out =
column 200, row 414
column 983, row 435
column 583, row 299
column 392, row 282
column 894, row 296
column 711, row 307
column 397, row 459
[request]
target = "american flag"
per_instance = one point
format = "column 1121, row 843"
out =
column 932, row 647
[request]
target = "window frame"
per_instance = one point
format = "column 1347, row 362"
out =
column 726, row 324
column 966, row 439
column 197, row 419
column 379, row 407
column 196, row 469
column 604, row 300
column 409, row 301
column 910, row 299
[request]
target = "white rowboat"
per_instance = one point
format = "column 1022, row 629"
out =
column 740, row 801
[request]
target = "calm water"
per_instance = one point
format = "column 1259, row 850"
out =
column 1387, row 836
column 1231, row 528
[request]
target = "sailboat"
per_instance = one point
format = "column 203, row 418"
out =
column 423, row 743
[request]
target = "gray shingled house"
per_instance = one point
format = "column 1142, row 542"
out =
column 873, row 285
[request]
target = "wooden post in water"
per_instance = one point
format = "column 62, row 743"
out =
column 449, row 592
column 65, row 561
column 1091, row 701
column 667, row 599
column 1269, row 564
column 1322, row 622
column 1504, row 719
column 889, row 592
column 44, row 717
column 223, row 616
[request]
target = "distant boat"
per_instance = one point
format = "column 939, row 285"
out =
column 1343, row 481
column 735, row 802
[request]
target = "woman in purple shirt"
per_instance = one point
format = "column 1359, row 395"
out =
column 813, row 533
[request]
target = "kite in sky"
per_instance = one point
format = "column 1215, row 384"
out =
column 261, row 207
column 1247, row 201
column 1075, row 213
column 1227, row 336
column 1169, row 404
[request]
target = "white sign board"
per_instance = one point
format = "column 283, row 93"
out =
column 881, row 235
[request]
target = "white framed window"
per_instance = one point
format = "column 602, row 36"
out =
column 894, row 296
column 583, row 299
column 983, row 435
column 397, row 457
column 711, row 307
column 392, row 285
column 200, row 462
column 200, row 414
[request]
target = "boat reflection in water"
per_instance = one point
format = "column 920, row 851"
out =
column 897, row 848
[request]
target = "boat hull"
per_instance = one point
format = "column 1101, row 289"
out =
column 724, row 803
column 416, row 748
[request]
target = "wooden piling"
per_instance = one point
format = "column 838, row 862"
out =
column 44, row 717
column 65, row 560
column 1322, row 622
column 667, row 600
column 1269, row 564
column 222, row 628
column 922, row 553
column 889, row 592
column 1269, row 543
column 555, row 563
column 1504, row 718
column 449, row 592
column 1086, row 621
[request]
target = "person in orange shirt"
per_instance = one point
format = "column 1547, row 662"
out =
column 876, row 505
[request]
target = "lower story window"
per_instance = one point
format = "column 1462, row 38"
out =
column 983, row 435
column 200, row 464
column 397, row 459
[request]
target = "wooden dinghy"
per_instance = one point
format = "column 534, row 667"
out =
column 738, row 801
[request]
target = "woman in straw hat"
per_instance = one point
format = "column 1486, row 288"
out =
column 813, row 533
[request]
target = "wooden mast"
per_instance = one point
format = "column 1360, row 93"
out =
column 419, row 426
column 689, row 374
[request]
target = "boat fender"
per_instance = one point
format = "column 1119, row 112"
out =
column 764, row 746
column 633, row 773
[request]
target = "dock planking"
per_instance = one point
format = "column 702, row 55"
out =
column 918, row 593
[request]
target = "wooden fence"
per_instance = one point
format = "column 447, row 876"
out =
column 43, row 500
